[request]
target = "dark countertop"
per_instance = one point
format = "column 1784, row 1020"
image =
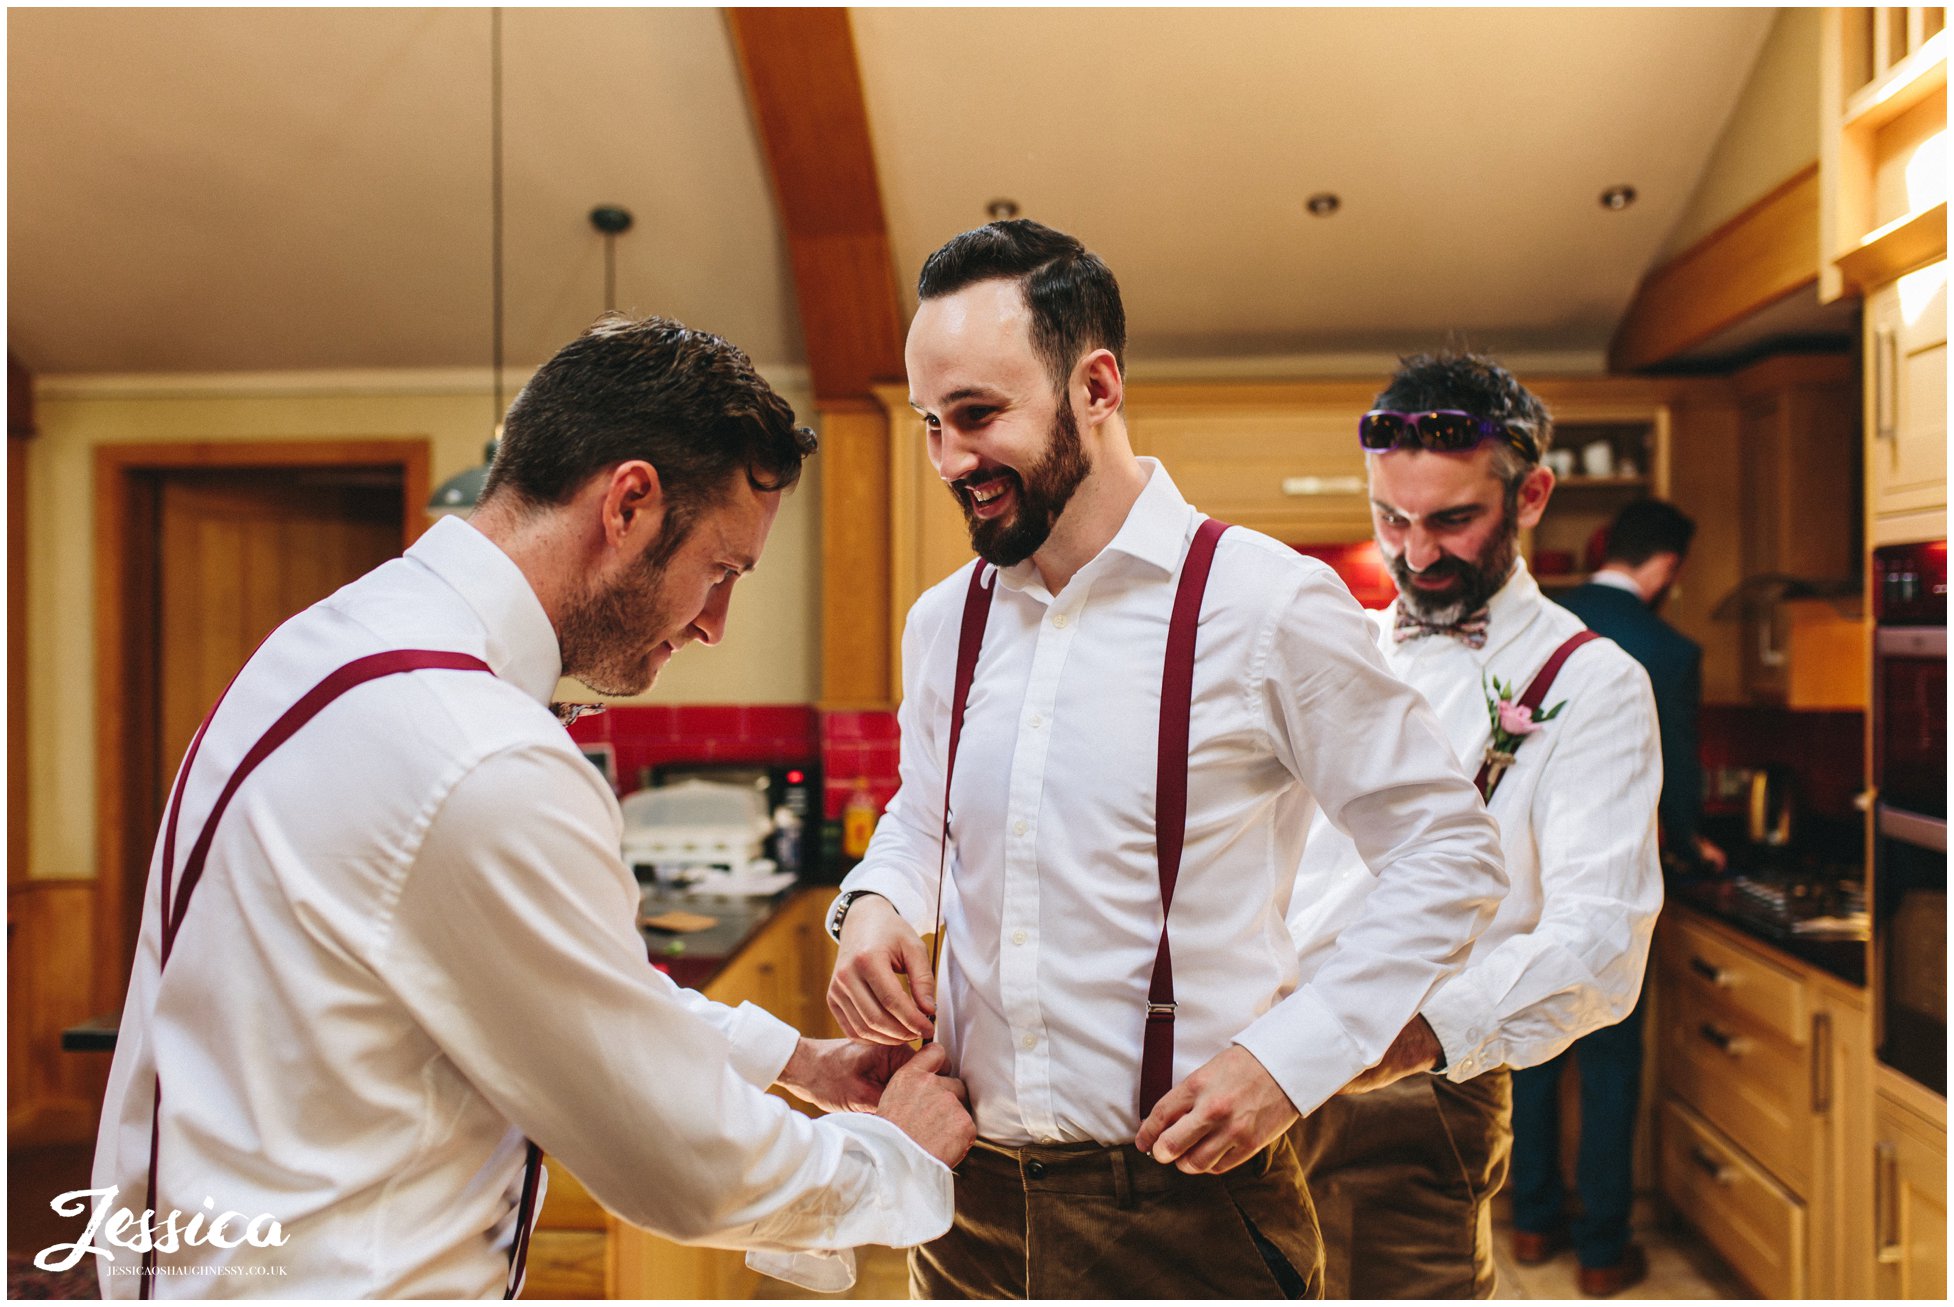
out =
column 1717, row 897
column 691, row 959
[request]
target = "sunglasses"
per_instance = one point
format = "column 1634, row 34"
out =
column 1445, row 431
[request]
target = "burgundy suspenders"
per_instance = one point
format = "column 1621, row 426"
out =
column 173, row 907
column 1535, row 695
column 1170, row 805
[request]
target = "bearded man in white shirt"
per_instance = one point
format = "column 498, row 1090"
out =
column 1403, row 1175
column 1131, row 1133
column 416, row 946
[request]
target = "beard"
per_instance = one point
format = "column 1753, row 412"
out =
column 1477, row 579
column 1043, row 491
column 604, row 636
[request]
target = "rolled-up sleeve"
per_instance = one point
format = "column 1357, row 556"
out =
column 1374, row 757
column 1593, row 821
column 514, row 944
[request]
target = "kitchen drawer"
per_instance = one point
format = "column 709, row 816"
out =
column 1725, row 974
column 1745, row 1080
column 565, row 1264
column 567, row 1205
column 1747, row 1216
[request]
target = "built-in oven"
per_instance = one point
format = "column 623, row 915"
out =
column 1910, row 812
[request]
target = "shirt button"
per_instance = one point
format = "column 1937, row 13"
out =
column 1019, row 828
column 1060, row 621
column 1017, row 937
column 1030, row 1042
column 1036, row 721
column 1036, row 1170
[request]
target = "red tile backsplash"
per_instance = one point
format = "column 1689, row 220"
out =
column 859, row 746
column 649, row 735
column 1826, row 751
column 1361, row 566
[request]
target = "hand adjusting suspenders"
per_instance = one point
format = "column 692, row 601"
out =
column 356, row 673
column 1170, row 802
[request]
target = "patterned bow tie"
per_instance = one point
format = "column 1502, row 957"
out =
column 1469, row 630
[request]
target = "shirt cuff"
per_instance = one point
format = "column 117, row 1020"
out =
column 762, row 1043
column 896, row 887
column 1303, row 1046
column 1464, row 1031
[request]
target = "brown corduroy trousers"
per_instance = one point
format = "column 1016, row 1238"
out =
column 1088, row 1221
column 1403, row 1179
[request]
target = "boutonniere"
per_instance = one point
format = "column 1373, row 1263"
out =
column 1512, row 722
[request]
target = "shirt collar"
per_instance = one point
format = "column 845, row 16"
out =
column 1615, row 581
column 1512, row 610
column 521, row 646
column 1155, row 531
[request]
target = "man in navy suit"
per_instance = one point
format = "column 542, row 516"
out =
column 1646, row 548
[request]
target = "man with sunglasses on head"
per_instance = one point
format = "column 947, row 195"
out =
column 1131, row 1089
column 1561, row 728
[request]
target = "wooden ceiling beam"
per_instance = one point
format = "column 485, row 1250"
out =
column 1766, row 252
column 805, row 89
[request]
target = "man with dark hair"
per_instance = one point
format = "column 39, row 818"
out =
column 1647, row 544
column 413, row 943
column 1131, row 1091
column 1561, row 728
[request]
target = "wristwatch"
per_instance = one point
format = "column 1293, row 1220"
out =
column 840, row 913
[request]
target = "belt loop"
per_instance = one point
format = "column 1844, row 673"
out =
column 1122, row 1181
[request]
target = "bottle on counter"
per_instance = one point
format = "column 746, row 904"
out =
column 857, row 821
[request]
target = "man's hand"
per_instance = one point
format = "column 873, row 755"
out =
column 931, row 1108
column 842, row 1075
column 868, row 995
column 1219, row 1117
column 1415, row 1049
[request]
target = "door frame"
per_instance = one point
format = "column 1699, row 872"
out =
column 126, row 577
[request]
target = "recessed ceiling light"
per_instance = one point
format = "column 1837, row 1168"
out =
column 1618, row 197
column 1002, row 209
column 1322, row 204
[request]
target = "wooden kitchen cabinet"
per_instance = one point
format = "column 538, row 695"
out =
column 582, row 1251
column 1910, row 1190
column 1764, row 1111
column 1906, row 407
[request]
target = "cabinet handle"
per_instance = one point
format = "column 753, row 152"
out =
column 1304, row 486
column 1710, row 1164
column 1821, row 1062
column 1886, row 1204
column 1886, row 368
column 1713, row 974
column 1723, row 1039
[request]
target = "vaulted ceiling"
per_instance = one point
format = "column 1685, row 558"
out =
column 257, row 189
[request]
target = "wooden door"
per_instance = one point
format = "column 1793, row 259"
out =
column 235, row 552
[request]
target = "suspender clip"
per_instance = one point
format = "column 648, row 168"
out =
column 1161, row 1010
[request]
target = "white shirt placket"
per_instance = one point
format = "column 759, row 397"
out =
column 1018, row 969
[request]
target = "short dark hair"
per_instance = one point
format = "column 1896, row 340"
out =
column 1477, row 385
column 1646, row 528
column 1071, row 293
column 685, row 401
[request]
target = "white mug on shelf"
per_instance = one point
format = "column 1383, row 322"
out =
column 1598, row 459
column 1560, row 462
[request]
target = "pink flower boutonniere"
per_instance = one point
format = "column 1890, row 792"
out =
column 1512, row 722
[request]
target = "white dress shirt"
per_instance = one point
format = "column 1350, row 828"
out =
column 1577, row 819
column 1054, row 914
column 416, row 944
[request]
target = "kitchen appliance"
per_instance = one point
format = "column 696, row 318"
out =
column 792, row 796
column 1910, row 809
column 706, row 835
